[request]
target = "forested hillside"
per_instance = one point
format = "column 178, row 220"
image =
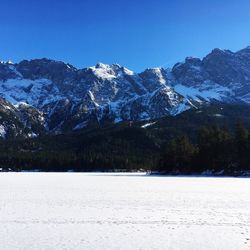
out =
column 214, row 139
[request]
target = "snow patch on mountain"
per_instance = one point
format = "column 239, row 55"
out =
column 146, row 125
column 80, row 125
column 34, row 92
column 2, row 131
column 203, row 93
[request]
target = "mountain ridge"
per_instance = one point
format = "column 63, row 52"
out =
column 49, row 96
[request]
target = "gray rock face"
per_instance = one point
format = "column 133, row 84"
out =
column 20, row 121
column 46, row 95
column 191, row 72
column 221, row 68
column 226, row 67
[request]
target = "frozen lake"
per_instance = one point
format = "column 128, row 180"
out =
column 105, row 211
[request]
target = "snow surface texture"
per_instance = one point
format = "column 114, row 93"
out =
column 108, row 211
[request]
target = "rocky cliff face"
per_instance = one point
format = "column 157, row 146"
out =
column 45, row 95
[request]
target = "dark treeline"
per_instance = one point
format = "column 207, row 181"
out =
column 124, row 149
column 216, row 149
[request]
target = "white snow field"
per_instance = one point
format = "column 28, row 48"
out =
column 123, row 211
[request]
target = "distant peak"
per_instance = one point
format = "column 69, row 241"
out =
column 43, row 61
column 154, row 70
column 193, row 60
column 6, row 62
column 108, row 66
column 220, row 51
column 47, row 63
column 247, row 49
column 101, row 65
column 157, row 69
column 9, row 62
column 109, row 71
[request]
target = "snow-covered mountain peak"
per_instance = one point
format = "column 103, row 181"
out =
column 104, row 66
column 110, row 71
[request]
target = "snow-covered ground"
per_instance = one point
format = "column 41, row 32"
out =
column 127, row 211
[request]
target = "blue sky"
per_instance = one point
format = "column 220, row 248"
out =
column 137, row 34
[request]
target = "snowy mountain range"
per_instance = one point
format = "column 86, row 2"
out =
column 43, row 95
